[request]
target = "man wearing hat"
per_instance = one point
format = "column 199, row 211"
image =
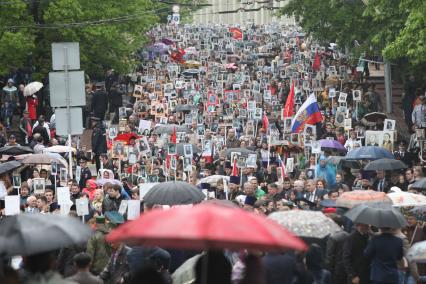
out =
column 234, row 187
column 97, row 248
column 99, row 102
column 85, row 174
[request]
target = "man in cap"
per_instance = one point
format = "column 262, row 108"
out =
column 85, row 174
column 97, row 248
column 99, row 102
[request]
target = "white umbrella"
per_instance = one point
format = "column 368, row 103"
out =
column 32, row 88
column 212, row 179
column 60, row 149
column 401, row 199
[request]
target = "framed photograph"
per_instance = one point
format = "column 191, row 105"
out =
column 53, row 168
column 241, row 162
column 420, row 133
column 315, row 147
column 287, row 124
column 332, row 93
column 234, row 157
column 16, row 180
column 294, row 138
column 387, row 140
column 339, row 119
column 258, row 114
column 122, row 114
column 112, row 133
column 187, row 150
column 389, row 125
column 251, row 161
column 356, row 95
column 39, row 185
column 187, row 164
column 173, row 163
column 348, row 124
column 360, row 132
column 342, row 97
column 307, row 140
column 309, row 129
column 171, row 150
column 289, row 167
column 372, row 138
column 117, row 149
column 63, row 175
column 138, row 91
column 122, row 125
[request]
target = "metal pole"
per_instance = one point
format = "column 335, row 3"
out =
column 388, row 86
column 68, row 102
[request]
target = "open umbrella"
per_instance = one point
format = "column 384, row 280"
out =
column 380, row 216
column 341, row 161
column 60, row 149
column 371, row 118
column 9, row 166
column 184, row 108
column 403, row 199
column 15, row 150
column 420, row 184
column 212, row 179
column 28, row 234
column 32, row 88
column 125, row 137
column 174, row 193
column 243, row 151
column 169, row 129
column 44, row 159
column 331, row 145
column 417, row 252
column 307, row 224
column 185, row 274
column 204, row 227
column 352, row 198
column 385, row 164
column 102, row 181
column 369, row 153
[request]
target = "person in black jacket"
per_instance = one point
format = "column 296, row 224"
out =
column 99, row 145
column 357, row 267
column 116, row 101
column 99, row 102
column 334, row 254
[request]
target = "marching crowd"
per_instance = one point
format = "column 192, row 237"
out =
column 261, row 116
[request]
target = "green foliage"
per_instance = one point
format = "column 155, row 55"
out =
column 395, row 29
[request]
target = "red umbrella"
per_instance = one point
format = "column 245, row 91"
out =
column 206, row 227
column 126, row 137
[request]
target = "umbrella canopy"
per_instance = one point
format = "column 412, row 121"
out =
column 243, row 151
column 331, row 145
column 180, row 149
column 402, row 199
column 169, row 128
column 102, row 181
column 341, row 161
column 352, row 198
column 167, row 41
column 44, row 159
column 191, row 71
column 9, row 166
column 307, row 224
column 15, row 150
column 192, row 64
column 369, row 153
column 385, row 164
column 28, row 234
column 32, row 88
column 60, row 149
column 185, row 274
column 174, row 193
column 420, row 184
column 374, row 116
column 125, row 137
column 204, row 229
column 184, row 108
column 380, row 216
column 417, row 252
column 212, row 179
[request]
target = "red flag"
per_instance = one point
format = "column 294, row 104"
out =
column 289, row 104
column 236, row 33
column 317, row 62
column 173, row 136
column 265, row 122
column 234, row 169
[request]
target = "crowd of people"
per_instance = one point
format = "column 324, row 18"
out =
column 261, row 116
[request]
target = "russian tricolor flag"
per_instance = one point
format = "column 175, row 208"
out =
column 308, row 113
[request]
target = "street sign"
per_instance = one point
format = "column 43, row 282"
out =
column 65, row 51
column 58, row 94
column 75, row 120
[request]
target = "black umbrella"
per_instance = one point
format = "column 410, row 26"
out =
column 174, row 193
column 28, row 234
column 340, row 161
column 9, row 166
column 385, row 164
column 380, row 216
column 420, row 184
column 15, row 150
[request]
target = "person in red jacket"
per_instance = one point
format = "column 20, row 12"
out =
column 32, row 103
